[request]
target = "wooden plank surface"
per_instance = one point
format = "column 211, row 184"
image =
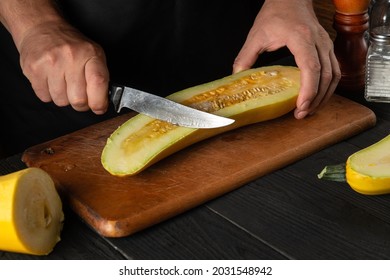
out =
column 307, row 218
column 290, row 211
column 228, row 232
column 304, row 223
column 117, row 206
column 195, row 235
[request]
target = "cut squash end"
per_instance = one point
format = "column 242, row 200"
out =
column 368, row 170
column 31, row 214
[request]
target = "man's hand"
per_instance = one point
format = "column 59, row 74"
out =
column 62, row 65
column 65, row 67
column 293, row 23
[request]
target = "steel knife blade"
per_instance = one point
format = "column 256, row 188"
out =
column 163, row 109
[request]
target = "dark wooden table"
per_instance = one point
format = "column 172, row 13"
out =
column 288, row 214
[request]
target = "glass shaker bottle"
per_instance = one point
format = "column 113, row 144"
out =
column 377, row 88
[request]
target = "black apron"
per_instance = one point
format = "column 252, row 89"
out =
column 160, row 46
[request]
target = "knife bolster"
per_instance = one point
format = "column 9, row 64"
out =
column 115, row 93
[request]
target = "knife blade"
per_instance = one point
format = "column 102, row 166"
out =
column 163, row 109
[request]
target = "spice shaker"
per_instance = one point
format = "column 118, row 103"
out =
column 350, row 45
column 377, row 88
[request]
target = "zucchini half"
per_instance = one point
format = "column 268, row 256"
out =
column 250, row 96
column 367, row 171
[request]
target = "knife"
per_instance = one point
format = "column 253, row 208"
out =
column 163, row 109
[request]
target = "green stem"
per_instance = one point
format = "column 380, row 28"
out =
column 333, row 173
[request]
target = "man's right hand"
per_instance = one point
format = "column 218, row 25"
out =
column 65, row 67
column 62, row 65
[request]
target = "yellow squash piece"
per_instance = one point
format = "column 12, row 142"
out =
column 248, row 97
column 31, row 214
column 368, row 170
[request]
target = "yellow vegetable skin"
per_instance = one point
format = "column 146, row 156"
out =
column 368, row 170
column 248, row 97
column 31, row 213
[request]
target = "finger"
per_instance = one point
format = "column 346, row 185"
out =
column 326, row 85
column 57, row 89
column 76, row 90
column 336, row 76
column 307, row 60
column 41, row 88
column 330, row 76
column 38, row 80
column 97, row 77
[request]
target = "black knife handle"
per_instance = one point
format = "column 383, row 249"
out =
column 115, row 92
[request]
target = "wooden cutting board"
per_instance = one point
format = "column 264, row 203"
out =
column 118, row 207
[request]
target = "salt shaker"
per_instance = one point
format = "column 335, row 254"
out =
column 377, row 88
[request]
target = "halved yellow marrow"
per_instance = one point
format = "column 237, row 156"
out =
column 250, row 96
column 367, row 171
